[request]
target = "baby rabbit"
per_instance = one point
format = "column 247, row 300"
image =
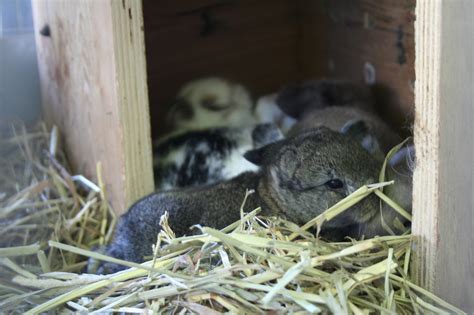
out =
column 335, row 118
column 207, row 156
column 267, row 111
column 211, row 102
column 299, row 178
column 297, row 100
column 401, row 172
column 339, row 106
column 334, row 104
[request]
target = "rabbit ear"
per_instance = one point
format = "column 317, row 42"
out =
column 255, row 156
column 405, row 156
column 264, row 134
column 275, row 140
column 294, row 100
column 286, row 167
column 358, row 130
column 355, row 128
column 260, row 155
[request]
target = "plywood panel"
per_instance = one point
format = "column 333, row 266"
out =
column 443, row 205
column 377, row 34
column 93, row 82
column 313, row 36
column 250, row 41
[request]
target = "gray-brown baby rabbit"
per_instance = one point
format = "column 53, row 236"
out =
column 333, row 104
column 299, row 178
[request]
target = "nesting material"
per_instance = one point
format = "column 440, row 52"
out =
column 50, row 220
column 41, row 201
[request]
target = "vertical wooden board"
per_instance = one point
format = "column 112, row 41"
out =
column 313, row 36
column 93, row 86
column 377, row 35
column 443, row 204
column 250, row 41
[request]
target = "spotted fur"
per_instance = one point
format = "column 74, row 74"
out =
column 201, row 157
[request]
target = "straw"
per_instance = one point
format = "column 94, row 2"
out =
column 52, row 219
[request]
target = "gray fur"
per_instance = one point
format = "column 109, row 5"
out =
column 335, row 118
column 333, row 104
column 347, row 107
column 292, row 183
column 400, row 170
column 300, row 99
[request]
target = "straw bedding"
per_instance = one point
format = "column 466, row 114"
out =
column 51, row 220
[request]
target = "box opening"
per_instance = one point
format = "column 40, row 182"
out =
column 266, row 44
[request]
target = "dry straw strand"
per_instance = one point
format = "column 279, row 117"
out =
column 51, row 220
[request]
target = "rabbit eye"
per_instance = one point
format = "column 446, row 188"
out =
column 334, row 183
column 210, row 102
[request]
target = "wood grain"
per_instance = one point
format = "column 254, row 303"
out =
column 443, row 205
column 313, row 52
column 249, row 41
column 93, row 82
column 94, row 87
column 379, row 33
column 132, row 92
column 266, row 44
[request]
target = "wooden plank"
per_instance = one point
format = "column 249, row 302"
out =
column 313, row 37
column 93, row 81
column 132, row 90
column 443, row 219
column 249, row 41
column 378, row 33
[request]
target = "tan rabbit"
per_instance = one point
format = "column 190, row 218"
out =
column 209, row 103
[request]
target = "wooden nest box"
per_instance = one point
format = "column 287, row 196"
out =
column 109, row 70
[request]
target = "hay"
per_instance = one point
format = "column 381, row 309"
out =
column 41, row 201
column 51, row 220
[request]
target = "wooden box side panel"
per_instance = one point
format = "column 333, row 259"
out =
column 455, row 265
column 367, row 40
column 250, row 41
column 132, row 91
column 313, row 37
column 86, row 66
column 443, row 204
